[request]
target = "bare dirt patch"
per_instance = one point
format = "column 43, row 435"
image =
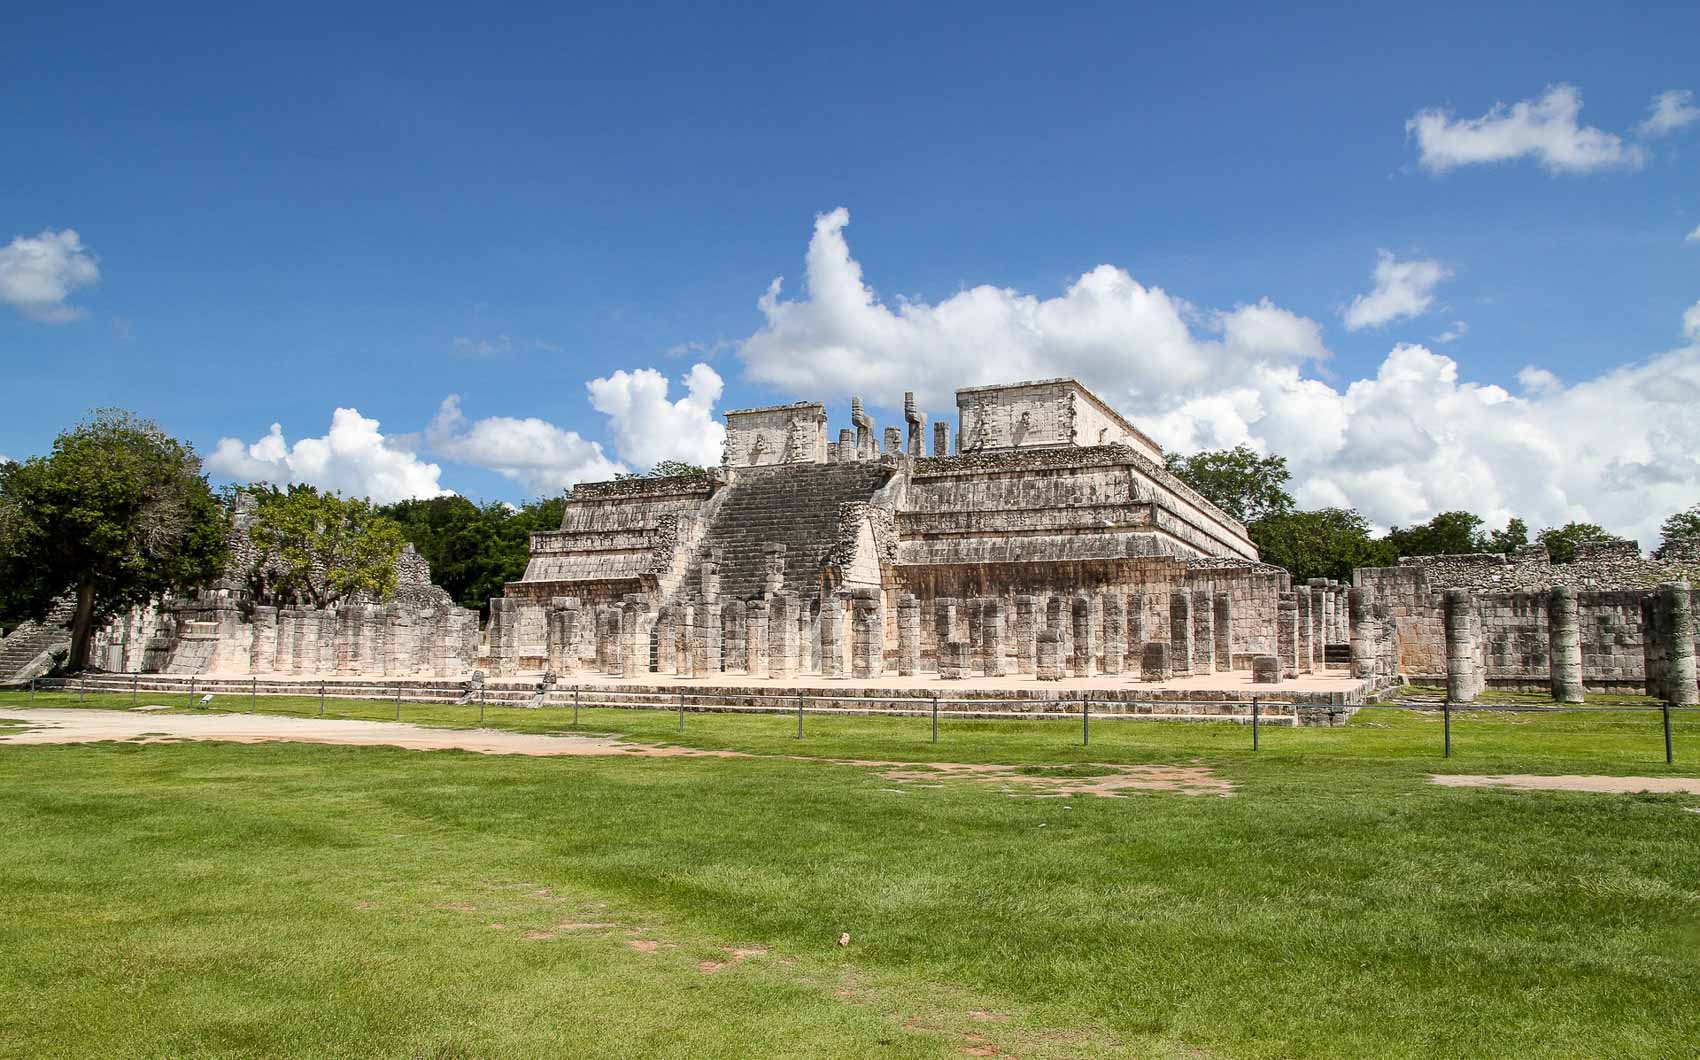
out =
column 644, row 945
column 1572, row 782
column 1055, row 782
column 57, row 726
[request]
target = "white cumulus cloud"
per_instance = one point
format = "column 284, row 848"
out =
column 1415, row 438
column 1106, row 328
column 1458, row 330
column 648, row 428
column 1548, row 129
column 1402, row 289
column 354, row 457
column 1694, row 236
column 1669, row 112
column 546, row 458
column 38, row 274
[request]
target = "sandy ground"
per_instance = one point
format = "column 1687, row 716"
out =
column 1526, row 781
column 146, row 725
column 91, row 726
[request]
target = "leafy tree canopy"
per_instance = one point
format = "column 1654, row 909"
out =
column 1239, row 481
column 322, row 547
column 665, row 469
column 1561, row 541
column 1682, row 526
column 118, row 513
column 1326, row 543
column 1513, row 537
column 1447, row 534
column 474, row 550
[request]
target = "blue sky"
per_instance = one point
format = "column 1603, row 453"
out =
column 292, row 212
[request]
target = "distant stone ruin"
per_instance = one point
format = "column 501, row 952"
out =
column 1050, row 543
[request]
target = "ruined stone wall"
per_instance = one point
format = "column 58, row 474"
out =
column 778, row 434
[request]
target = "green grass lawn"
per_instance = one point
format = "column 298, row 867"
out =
column 287, row 899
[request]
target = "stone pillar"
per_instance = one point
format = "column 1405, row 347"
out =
column 1049, row 666
column 1564, row 645
column 634, row 639
column 1154, row 661
column 991, row 634
column 1676, row 630
column 1059, row 618
column 908, row 634
column 705, row 636
column 782, row 635
column 733, row 646
column 504, row 636
column 867, row 634
column 893, row 442
column 1287, row 633
column 262, row 653
column 1463, row 676
column 941, row 438
column 954, row 660
column 1265, row 670
column 395, row 645
column 295, row 640
column 1360, row 618
column 1137, row 631
column 864, row 430
column 916, row 422
column 755, row 638
column 832, row 661
column 1180, row 633
column 563, row 635
column 944, row 625
column 350, row 631
column 1321, row 613
column 666, row 641
column 1223, row 623
column 1026, row 634
column 972, row 610
column 1203, row 632
column 608, row 640
column 1083, row 636
column 774, row 568
column 1115, row 634
column 1301, row 593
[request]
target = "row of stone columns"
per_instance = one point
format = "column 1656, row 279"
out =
column 362, row 641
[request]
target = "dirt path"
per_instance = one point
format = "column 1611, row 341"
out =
column 1530, row 782
column 146, row 725
column 90, row 726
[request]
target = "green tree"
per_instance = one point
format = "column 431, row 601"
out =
column 1561, row 541
column 1447, row 534
column 1513, row 537
column 1682, row 526
column 118, row 513
column 666, row 469
column 474, row 550
column 1327, row 543
column 1247, row 486
column 323, row 546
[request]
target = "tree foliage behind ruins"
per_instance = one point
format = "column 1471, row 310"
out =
column 474, row 550
column 118, row 513
column 321, row 548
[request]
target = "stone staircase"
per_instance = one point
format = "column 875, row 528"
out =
column 22, row 650
column 795, row 505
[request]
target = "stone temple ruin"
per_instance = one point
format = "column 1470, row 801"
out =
column 1035, row 544
column 1040, row 539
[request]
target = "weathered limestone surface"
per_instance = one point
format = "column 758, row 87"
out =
column 1565, row 641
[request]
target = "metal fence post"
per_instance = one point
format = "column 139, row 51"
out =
column 935, row 717
column 1446, row 720
column 32, row 691
column 1085, row 721
column 135, row 680
column 799, row 715
column 1254, row 715
column 253, row 694
column 575, row 708
column 398, row 701
column 82, row 687
column 1665, row 710
column 681, row 711
column 191, row 691
column 481, row 706
column 321, row 699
